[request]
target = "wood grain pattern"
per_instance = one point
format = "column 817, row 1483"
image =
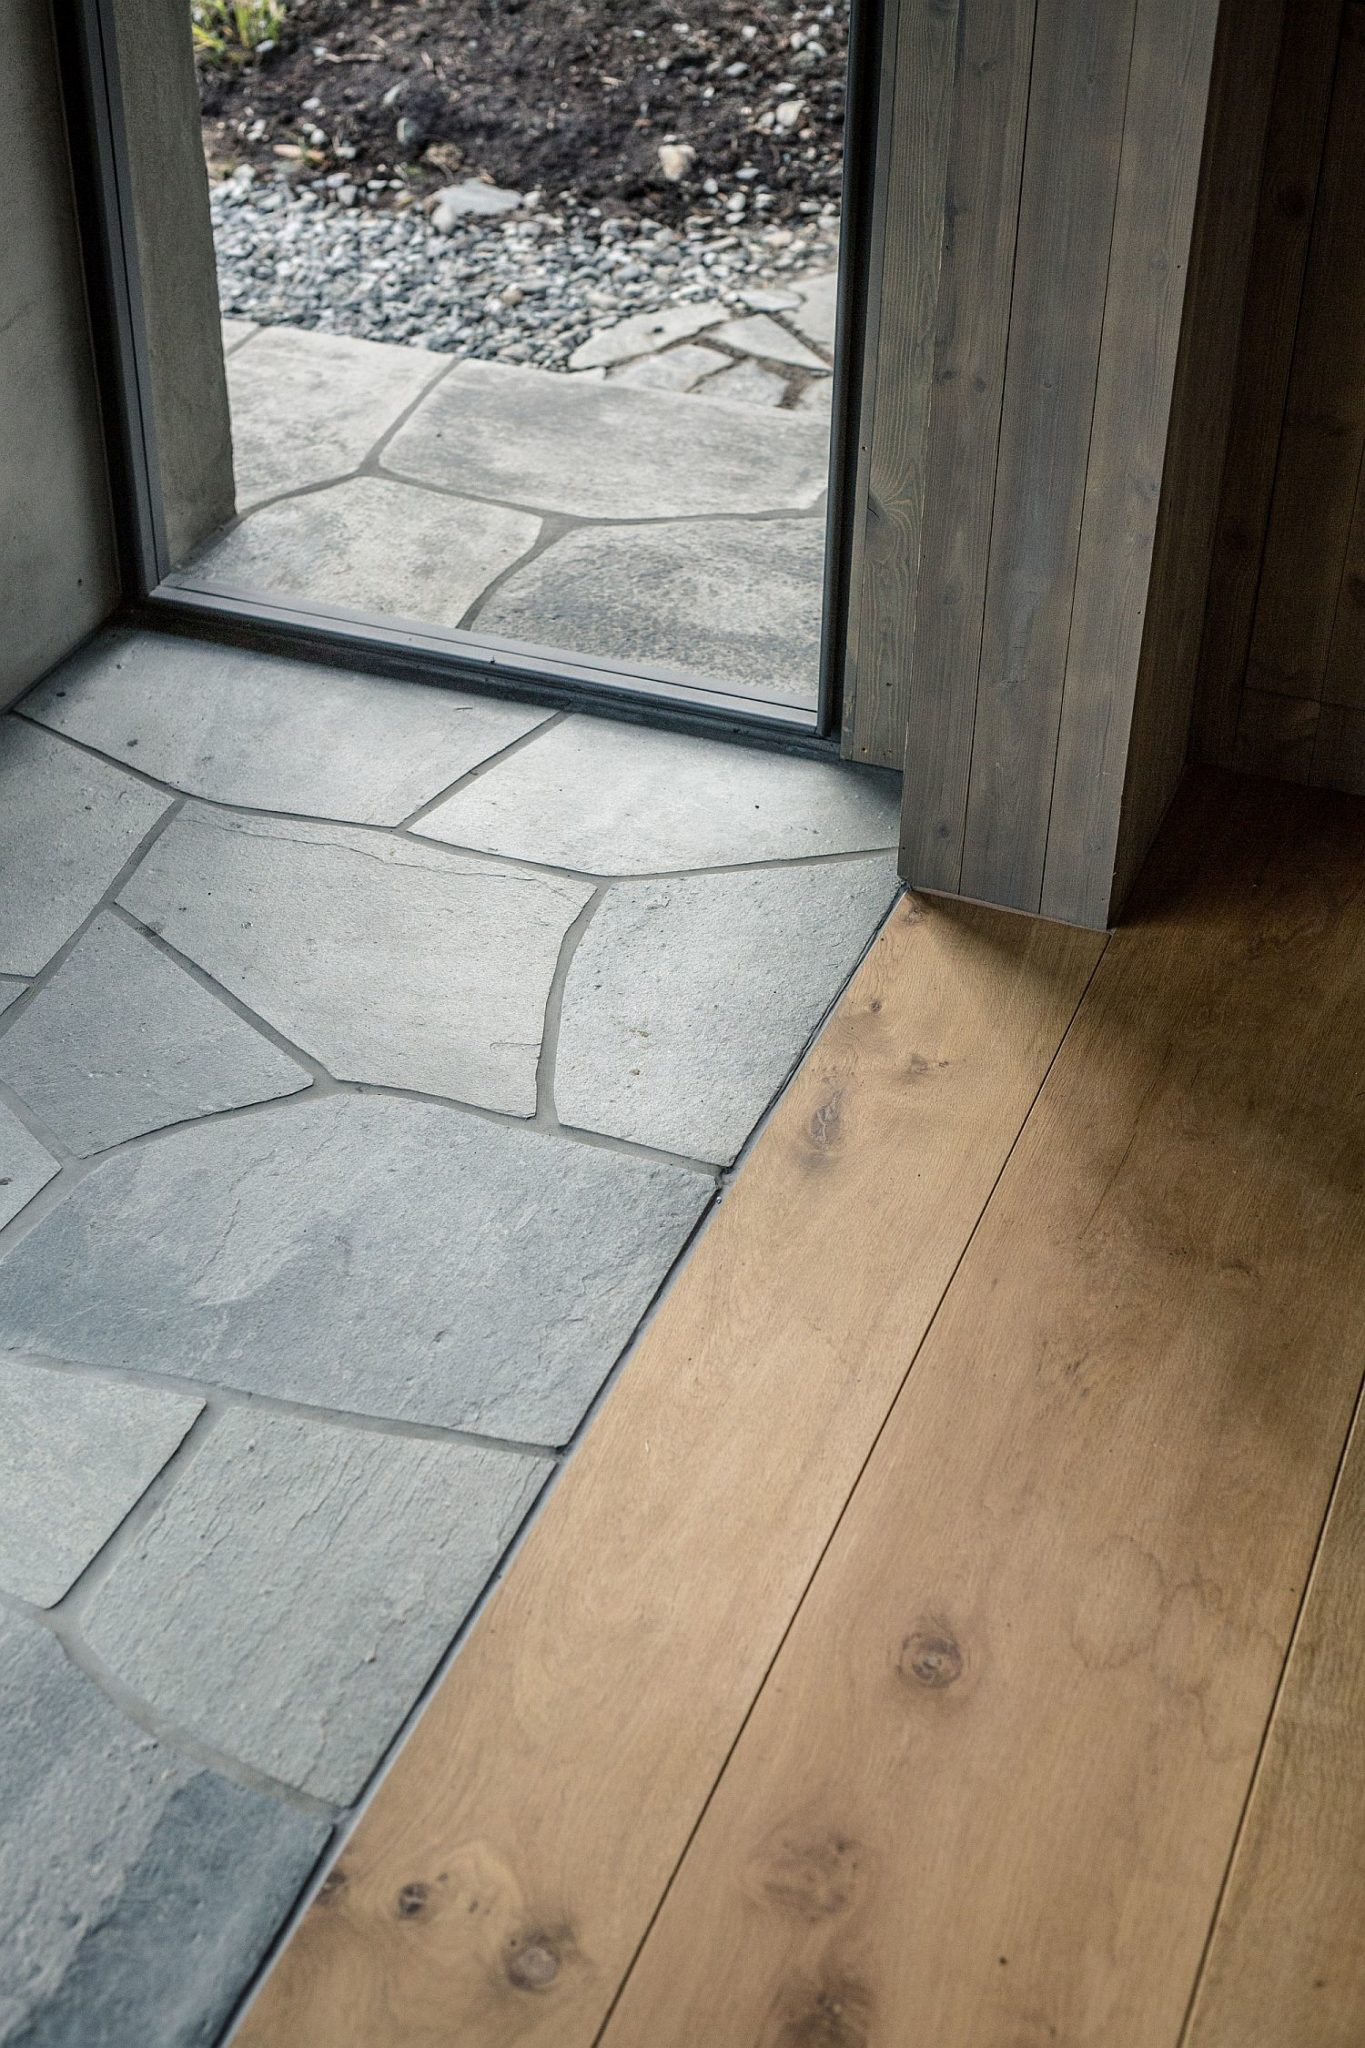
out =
column 985, row 159
column 1144, row 311
column 1239, row 94
column 1288, row 194
column 504, row 1876
column 1082, row 52
column 1287, row 1960
column 987, row 1795
column 1323, row 436
column 907, row 247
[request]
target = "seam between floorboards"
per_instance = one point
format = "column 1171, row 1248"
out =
column 686, row 1850
column 1291, row 1645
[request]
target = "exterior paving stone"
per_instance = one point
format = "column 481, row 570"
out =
column 306, row 406
column 387, row 961
column 10, row 990
column 290, row 1596
column 604, row 451
column 76, row 1454
column 760, row 335
column 815, row 316
column 748, row 384
column 677, row 369
column 137, row 1892
column 688, row 1002
column 373, row 546
column 642, row 333
column 664, row 800
column 247, row 728
column 235, row 332
column 122, row 1041
column 25, row 1166
column 735, row 601
column 362, row 1254
column 68, row 823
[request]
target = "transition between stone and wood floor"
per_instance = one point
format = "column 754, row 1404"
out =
column 370, row 1055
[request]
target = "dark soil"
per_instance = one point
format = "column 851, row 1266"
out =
column 570, row 98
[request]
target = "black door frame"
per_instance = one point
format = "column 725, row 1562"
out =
column 154, row 597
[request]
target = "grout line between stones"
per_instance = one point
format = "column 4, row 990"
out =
column 217, row 1396
column 547, row 1116
column 515, row 746
column 475, row 853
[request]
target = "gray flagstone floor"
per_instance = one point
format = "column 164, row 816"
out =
column 369, row 1055
column 660, row 507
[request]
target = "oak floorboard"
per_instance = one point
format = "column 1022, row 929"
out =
column 987, row 1795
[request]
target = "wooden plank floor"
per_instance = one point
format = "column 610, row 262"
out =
column 835, row 1704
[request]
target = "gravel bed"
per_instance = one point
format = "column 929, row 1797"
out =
column 524, row 289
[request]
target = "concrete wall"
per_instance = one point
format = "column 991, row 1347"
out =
column 179, row 280
column 57, row 564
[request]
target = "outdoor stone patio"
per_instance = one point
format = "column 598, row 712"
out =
column 660, row 507
column 370, row 1054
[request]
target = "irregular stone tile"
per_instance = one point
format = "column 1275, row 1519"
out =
column 247, row 728
column 677, row 369
column 76, row 1454
column 68, row 823
column 818, row 396
column 24, row 1166
column 373, row 546
column 689, row 1001
column 733, row 601
column 235, row 332
column 364, row 1254
column 386, row 962
column 748, row 384
column 643, row 333
column 10, row 990
column 121, row 1041
column 815, row 315
column 567, row 444
column 769, row 298
column 664, row 800
column 292, row 1593
column 138, row 1893
column 309, row 406
column 759, row 335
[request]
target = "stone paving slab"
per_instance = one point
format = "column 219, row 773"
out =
column 677, row 369
column 308, row 406
column 68, row 823
column 293, row 1592
column 25, row 1166
column 747, row 384
column 760, row 335
column 235, row 332
column 643, row 333
column 137, row 1892
column 734, row 601
column 603, row 451
column 373, row 546
column 664, row 800
column 255, row 729
column 360, row 1253
column 387, row 961
column 76, row 1454
column 815, row 316
column 122, row 1041
column 11, row 989
column 688, row 1002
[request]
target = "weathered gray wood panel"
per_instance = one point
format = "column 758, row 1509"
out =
column 907, row 238
column 985, row 162
column 1288, row 192
column 1081, row 61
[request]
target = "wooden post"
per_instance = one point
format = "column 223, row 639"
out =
column 1100, row 169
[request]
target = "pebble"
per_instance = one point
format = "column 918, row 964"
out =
column 528, row 288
